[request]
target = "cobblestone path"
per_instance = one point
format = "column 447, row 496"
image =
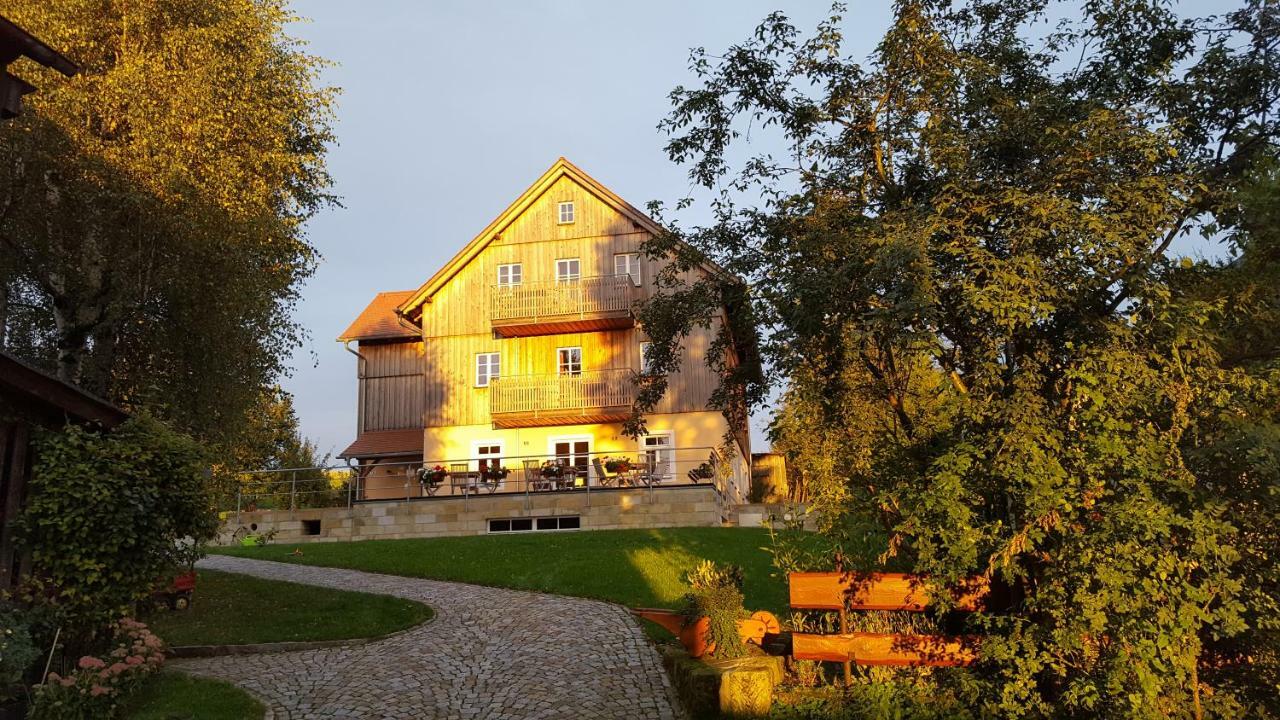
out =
column 489, row 653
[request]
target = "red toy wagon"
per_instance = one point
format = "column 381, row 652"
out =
column 178, row 595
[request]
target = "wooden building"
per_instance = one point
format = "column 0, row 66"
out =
column 524, row 345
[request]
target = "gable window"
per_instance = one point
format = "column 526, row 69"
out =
column 627, row 264
column 646, row 362
column 510, row 274
column 486, row 368
column 564, row 213
column 568, row 270
column 569, row 361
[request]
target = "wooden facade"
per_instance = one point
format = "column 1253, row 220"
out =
column 528, row 287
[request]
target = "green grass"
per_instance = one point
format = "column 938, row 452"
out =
column 175, row 696
column 230, row 609
column 639, row 568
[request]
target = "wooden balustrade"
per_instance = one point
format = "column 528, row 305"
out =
column 591, row 396
column 585, row 304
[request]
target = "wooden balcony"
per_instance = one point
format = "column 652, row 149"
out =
column 548, row 308
column 598, row 396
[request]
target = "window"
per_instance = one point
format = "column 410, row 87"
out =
column 568, row 270
column 545, row 524
column 627, row 264
column 488, row 453
column 660, row 450
column 486, row 368
column 646, row 364
column 573, row 452
column 565, row 213
column 510, row 274
column 569, row 361
column 310, row 527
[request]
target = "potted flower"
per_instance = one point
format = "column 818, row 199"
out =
column 617, row 465
column 433, row 475
column 703, row 472
column 551, row 470
column 494, row 473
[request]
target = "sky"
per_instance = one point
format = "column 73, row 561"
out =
column 449, row 110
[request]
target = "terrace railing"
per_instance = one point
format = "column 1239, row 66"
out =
column 548, row 395
column 534, row 302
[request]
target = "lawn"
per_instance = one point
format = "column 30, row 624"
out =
column 175, row 696
column 639, row 568
column 231, row 609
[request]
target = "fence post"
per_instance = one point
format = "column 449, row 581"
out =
column 239, row 490
column 293, row 491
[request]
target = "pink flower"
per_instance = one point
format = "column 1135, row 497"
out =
column 118, row 668
column 89, row 662
column 134, row 660
column 67, row 682
column 53, row 677
column 98, row 690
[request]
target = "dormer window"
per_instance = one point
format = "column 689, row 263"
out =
column 566, row 213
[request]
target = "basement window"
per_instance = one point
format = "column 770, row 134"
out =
column 310, row 527
column 545, row 524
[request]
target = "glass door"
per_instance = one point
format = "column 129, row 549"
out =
column 574, row 453
column 659, row 450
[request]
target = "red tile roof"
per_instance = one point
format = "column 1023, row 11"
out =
column 385, row 443
column 378, row 321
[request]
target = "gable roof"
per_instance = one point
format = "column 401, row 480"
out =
column 559, row 169
column 385, row 443
column 378, row 320
column 46, row 399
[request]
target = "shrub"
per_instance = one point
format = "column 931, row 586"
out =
column 717, row 595
column 109, row 517
column 17, row 651
column 94, row 689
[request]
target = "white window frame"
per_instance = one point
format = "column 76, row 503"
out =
column 630, row 266
column 491, row 360
column 515, row 274
column 669, row 472
column 476, row 457
column 645, row 346
column 565, row 277
column 560, row 366
column 563, row 217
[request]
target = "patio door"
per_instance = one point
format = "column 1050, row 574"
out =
column 661, row 450
column 488, row 454
column 574, row 451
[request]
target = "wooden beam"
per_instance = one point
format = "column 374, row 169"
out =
column 874, row 591
column 886, row 649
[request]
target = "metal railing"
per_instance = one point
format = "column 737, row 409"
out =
column 546, row 300
column 543, row 395
column 650, row 470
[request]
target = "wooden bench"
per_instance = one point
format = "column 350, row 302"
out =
column 843, row 591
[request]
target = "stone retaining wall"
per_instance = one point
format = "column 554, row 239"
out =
column 679, row 506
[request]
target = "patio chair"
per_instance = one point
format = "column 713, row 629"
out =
column 533, row 476
column 461, row 477
column 647, row 474
column 605, row 478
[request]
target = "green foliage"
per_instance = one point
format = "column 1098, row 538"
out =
column 110, row 516
column 17, row 651
column 152, row 208
column 716, row 594
column 961, row 268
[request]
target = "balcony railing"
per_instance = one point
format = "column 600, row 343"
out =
column 537, row 302
column 585, row 393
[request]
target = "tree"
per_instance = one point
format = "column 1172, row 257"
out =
column 962, row 268
column 152, row 207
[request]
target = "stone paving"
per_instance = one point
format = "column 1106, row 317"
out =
column 489, row 653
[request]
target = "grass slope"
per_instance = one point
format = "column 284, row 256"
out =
column 231, row 609
column 640, row 568
column 175, row 696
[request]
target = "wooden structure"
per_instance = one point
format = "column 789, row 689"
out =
column 16, row 43
column 842, row 591
column 525, row 344
column 30, row 398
